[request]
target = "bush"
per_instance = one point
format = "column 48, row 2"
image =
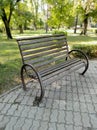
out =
column 96, row 31
column 90, row 50
column 60, row 32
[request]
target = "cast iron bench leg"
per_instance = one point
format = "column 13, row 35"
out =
column 37, row 98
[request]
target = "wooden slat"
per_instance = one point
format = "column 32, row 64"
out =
column 38, row 50
column 43, row 53
column 38, row 37
column 33, row 41
column 69, row 68
column 45, row 58
column 60, row 74
column 49, row 62
column 45, row 44
column 59, row 66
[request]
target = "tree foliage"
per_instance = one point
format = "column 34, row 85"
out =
column 59, row 16
column 51, row 13
column 86, row 9
column 21, row 16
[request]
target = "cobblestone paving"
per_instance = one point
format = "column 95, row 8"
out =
column 69, row 104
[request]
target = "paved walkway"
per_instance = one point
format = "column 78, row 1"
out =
column 69, row 104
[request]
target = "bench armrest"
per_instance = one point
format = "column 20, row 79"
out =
column 85, row 58
column 23, row 68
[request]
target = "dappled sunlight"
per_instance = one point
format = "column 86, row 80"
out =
column 89, row 43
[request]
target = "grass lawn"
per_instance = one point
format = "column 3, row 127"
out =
column 10, row 59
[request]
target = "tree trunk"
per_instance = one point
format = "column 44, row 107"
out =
column 76, row 21
column 46, row 27
column 8, row 32
column 21, row 29
column 34, row 25
column 6, row 23
column 85, row 26
column 84, row 31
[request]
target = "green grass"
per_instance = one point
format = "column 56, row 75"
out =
column 10, row 59
column 81, row 39
column 10, row 63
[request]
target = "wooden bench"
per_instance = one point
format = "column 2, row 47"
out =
column 47, row 58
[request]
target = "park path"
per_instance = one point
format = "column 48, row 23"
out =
column 69, row 104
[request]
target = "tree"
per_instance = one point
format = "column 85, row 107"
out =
column 59, row 15
column 86, row 9
column 22, row 16
column 35, row 10
column 6, row 10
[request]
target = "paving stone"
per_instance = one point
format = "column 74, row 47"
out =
column 1, row 99
column 43, row 126
column 13, row 98
column 92, row 91
column 85, row 120
column 95, row 106
column 93, row 118
column 62, row 105
column 94, row 98
column 69, row 127
column 19, row 110
column 4, row 122
column 81, row 98
column 30, row 101
column 69, row 97
column 32, row 112
column 19, row 99
column 77, row 119
column 1, row 117
column 78, row 128
column 8, row 97
column 52, row 126
column 25, row 111
column 62, row 95
column 76, row 106
column 83, row 107
column 39, row 114
column 86, row 90
column 80, row 90
column 49, row 103
column 57, row 95
column 54, row 115
column 90, row 108
column 36, row 125
column 46, row 115
column 46, row 93
column 61, row 127
column 19, row 124
column 88, row 98
column 69, row 89
column 12, row 109
column 6, row 108
column 27, row 125
column 25, row 100
column 69, row 117
column 55, row 104
column 11, row 123
column 75, row 97
column 61, row 116
column 2, row 106
column 69, row 105
column 51, row 94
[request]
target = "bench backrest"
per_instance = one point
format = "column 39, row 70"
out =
column 42, row 51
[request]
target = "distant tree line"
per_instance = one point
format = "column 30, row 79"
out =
column 47, row 14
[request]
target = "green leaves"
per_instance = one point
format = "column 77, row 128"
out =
column 61, row 13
